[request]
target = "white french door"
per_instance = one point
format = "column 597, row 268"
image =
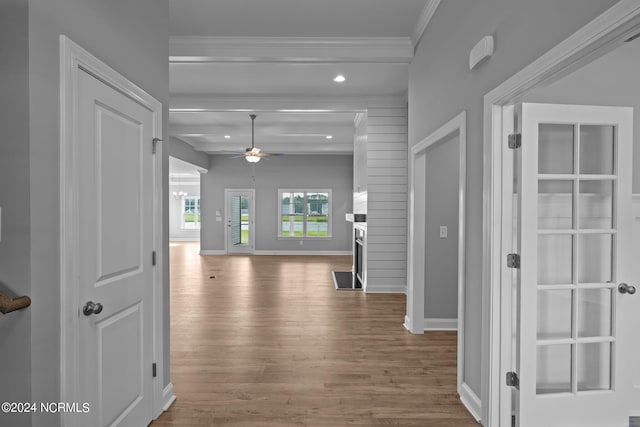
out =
column 575, row 337
column 240, row 221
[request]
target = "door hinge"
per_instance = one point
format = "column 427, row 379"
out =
column 513, row 380
column 154, row 144
column 513, row 261
column 153, row 258
column 515, row 140
column 154, row 369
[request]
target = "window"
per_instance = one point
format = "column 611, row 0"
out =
column 191, row 213
column 304, row 213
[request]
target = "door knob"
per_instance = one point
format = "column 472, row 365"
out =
column 623, row 288
column 91, row 307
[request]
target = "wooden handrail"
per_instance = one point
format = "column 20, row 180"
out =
column 7, row 305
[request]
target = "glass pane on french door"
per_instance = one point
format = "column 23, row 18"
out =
column 576, row 229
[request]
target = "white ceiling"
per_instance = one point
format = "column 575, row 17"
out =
column 213, row 95
column 294, row 18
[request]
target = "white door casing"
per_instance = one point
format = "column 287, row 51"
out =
column 575, row 336
column 236, row 241
column 111, row 214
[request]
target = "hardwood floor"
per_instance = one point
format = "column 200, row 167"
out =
column 270, row 342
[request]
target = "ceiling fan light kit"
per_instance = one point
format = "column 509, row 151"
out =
column 253, row 154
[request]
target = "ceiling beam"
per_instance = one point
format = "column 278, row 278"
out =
column 268, row 104
column 292, row 50
column 276, row 130
column 228, row 149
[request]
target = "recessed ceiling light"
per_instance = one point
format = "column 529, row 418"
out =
column 339, row 78
column 329, row 136
column 227, row 137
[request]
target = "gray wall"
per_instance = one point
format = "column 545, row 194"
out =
column 175, row 213
column 132, row 38
column 294, row 171
column 611, row 80
column 15, row 262
column 441, row 266
column 441, row 86
column 183, row 151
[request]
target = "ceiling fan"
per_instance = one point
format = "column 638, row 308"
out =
column 254, row 154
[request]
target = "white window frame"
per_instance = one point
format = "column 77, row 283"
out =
column 182, row 212
column 305, row 191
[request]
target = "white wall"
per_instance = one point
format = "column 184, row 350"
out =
column 176, row 232
column 441, row 264
column 132, row 38
column 293, row 171
column 15, row 262
column 441, row 85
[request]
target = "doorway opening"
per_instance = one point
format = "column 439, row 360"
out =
column 184, row 201
column 436, row 289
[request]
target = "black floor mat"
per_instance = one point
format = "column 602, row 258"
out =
column 343, row 281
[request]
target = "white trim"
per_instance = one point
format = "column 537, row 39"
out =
column 423, row 21
column 385, row 289
column 440, row 324
column 591, row 41
column 302, row 252
column 292, row 50
column 74, row 58
column 471, row 401
column 168, row 397
column 213, row 252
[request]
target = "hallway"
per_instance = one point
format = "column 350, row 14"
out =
column 268, row 341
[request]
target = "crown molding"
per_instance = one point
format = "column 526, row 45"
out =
column 295, row 50
column 423, row 21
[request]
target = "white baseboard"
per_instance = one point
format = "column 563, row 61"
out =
column 184, row 239
column 302, row 252
column 440, row 324
column 213, row 252
column 411, row 327
column 168, row 397
column 385, row 289
column 471, row 401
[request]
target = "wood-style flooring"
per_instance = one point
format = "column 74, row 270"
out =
column 268, row 341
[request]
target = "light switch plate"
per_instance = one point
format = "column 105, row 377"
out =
column 443, row 232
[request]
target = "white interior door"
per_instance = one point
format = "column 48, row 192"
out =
column 115, row 240
column 240, row 221
column 577, row 343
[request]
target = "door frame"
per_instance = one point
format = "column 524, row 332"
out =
column 598, row 37
column 252, row 225
column 74, row 60
column 415, row 317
